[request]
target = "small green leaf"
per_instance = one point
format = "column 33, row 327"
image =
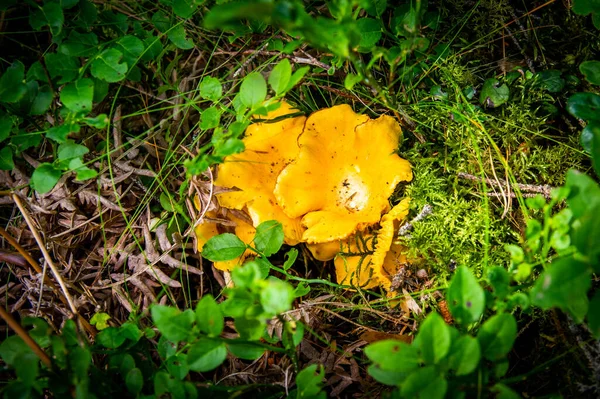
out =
column 99, row 122
column 61, row 133
column 499, row 279
column 584, row 7
column 394, row 355
column 493, row 94
column 6, row 124
column 206, row 355
column 177, row 366
column 79, row 44
column 100, row 320
column 77, row 96
column 297, row 77
column 134, row 381
column 370, row 33
column 70, row 150
column 593, row 315
column 351, row 80
column 6, row 159
column 177, row 36
column 504, row 392
column 290, row 258
column 27, row 367
column 269, row 237
column 591, row 71
column 309, row 383
column 12, row 86
column 433, row 339
column 497, row 336
column 280, row 76
column 465, row 355
column 42, row 101
column 108, row 66
column 210, row 118
column 111, row 337
column 564, row 284
column 584, row 106
column 50, row 14
column 11, row 347
column 45, row 177
column 209, row 316
column 185, row 8
column 172, row 323
column 225, row 246
column 62, row 65
column 276, row 297
column 426, row 382
column 253, row 90
column 466, row 298
column 550, row 80
column 245, row 350
column 211, row 89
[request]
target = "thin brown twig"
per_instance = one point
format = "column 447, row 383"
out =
column 25, row 337
column 544, row 189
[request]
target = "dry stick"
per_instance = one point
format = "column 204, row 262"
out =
column 530, row 188
column 25, row 337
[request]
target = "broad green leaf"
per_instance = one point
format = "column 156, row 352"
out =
column 591, row 71
column 589, row 135
column 172, row 323
column 245, row 350
column 276, row 297
column 394, row 355
column 497, row 336
column 211, row 89
column 42, row 101
column 111, row 337
column 225, row 246
column 100, row 320
column 425, row 383
column 269, row 237
column 309, row 382
column 253, row 90
column 134, row 381
column 584, row 7
column 564, row 284
column 297, row 77
column 185, row 8
column 108, row 66
column 24, row 140
column 584, row 106
column 50, row 14
column 88, row 13
column 27, row 367
column 550, row 80
column 11, row 347
column 499, row 279
column 433, row 339
column 279, row 78
column 209, row 316
column 45, row 177
column 177, row 366
column 387, row 377
column 593, row 316
column 247, row 275
column 249, row 329
column 466, row 298
column 210, row 118
column 78, row 95
column 264, row 266
column 374, row 8
column 465, row 355
column 132, row 48
column 6, row 159
column 12, row 86
column 584, row 193
column 351, row 80
column 206, row 355
column 70, row 150
column 370, row 33
column 229, row 147
column 153, row 46
column 61, row 133
column 493, row 94
column 63, row 66
column 79, row 44
column 177, row 36
column 6, row 124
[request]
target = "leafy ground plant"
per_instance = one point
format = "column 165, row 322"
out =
column 113, row 117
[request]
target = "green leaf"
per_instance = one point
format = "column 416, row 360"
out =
column 210, row 118
column 290, row 258
column 12, row 85
column 550, row 80
column 211, row 89
column 425, row 383
column 225, row 246
column 6, row 159
column 269, row 237
column 27, row 367
column 42, row 101
column 107, row 66
column 132, row 49
column 50, row 14
column 99, row 122
column 253, row 90
column 500, row 281
column 79, row 44
column 584, row 7
column 564, row 284
column 111, row 337
column 6, row 124
column 209, row 316
column 433, row 339
column 394, row 355
column 584, row 193
column 177, row 366
column 309, row 383
column 280, row 76
column 276, row 297
column 177, row 36
column 247, row 275
column 591, row 71
column 370, row 33
column 504, row 392
column 593, row 315
column 493, row 94
column 45, row 177
column 134, row 381
column 77, row 96
column 185, row 8
column 584, row 106
column 497, row 336
column 351, row 80
column 466, row 298
column 61, row 133
column 88, row 13
column 206, row 355
column 100, row 320
column 172, row 323
column 245, row 350
column 62, row 65
column 11, row 347
column 297, row 77
column 465, row 355
column 70, row 150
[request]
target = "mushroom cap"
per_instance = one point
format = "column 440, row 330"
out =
column 345, row 171
column 269, row 147
column 324, row 251
column 378, row 268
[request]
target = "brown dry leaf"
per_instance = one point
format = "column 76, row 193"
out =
column 374, row 336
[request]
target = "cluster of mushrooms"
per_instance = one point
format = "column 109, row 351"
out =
column 327, row 178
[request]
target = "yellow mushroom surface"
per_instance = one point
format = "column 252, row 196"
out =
column 344, row 173
column 269, row 147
